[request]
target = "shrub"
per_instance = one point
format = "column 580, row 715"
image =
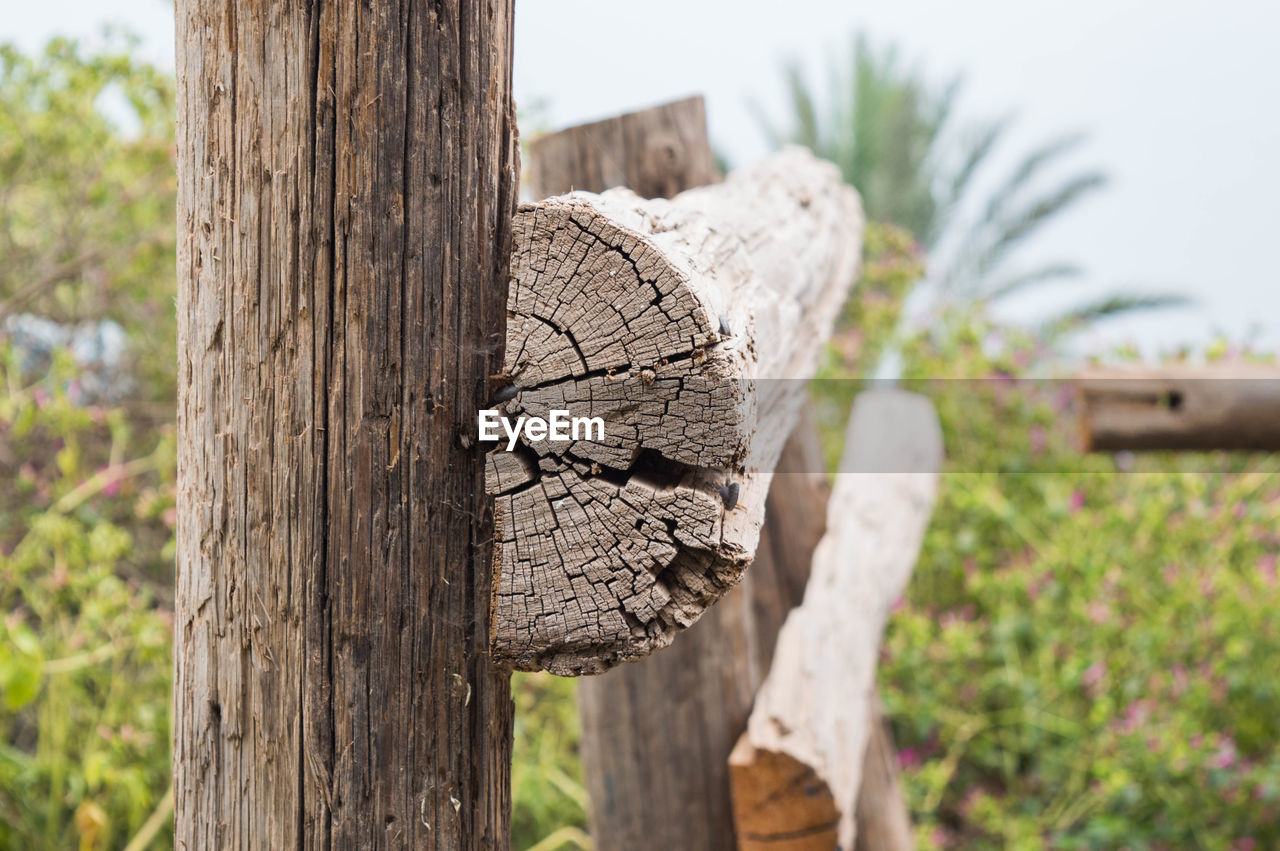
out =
column 84, row 645
column 1086, row 656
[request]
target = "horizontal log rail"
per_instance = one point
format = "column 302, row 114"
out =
column 1228, row 406
column 662, row 318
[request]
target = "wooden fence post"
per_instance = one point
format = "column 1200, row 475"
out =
column 347, row 179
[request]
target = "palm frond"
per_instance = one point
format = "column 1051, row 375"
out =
column 1030, row 166
column 805, row 113
column 1109, row 306
column 1017, row 227
column 976, row 149
column 1019, row 282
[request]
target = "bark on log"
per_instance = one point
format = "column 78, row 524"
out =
column 665, row 318
column 347, row 178
column 796, row 771
column 1230, row 407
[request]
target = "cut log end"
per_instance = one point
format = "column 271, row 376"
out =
column 783, row 804
column 657, row 317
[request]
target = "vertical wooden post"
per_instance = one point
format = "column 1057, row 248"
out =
column 656, row 734
column 347, row 177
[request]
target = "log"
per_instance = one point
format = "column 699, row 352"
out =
column 796, row 771
column 1229, row 407
column 690, row 327
column 347, row 174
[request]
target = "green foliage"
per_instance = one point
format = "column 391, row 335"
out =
column 85, row 648
column 1085, row 657
column 549, row 800
column 87, row 207
column 892, row 262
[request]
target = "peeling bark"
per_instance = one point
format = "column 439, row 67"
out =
column 690, row 327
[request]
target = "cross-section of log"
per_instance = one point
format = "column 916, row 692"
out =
column 689, row 327
column 796, row 770
column 1228, row 406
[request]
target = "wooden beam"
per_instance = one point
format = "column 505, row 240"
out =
column 690, row 326
column 796, row 771
column 1229, row 407
column 347, row 174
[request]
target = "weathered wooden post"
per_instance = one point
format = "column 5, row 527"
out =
column 347, row 178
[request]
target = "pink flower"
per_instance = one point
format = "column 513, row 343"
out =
column 112, row 487
column 1244, row 843
column 1092, row 677
column 1225, row 756
column 1038, row 439
column 1065, row 398
column 1267, row 567
column 908, row 758
column 1098, row 612
column 1076, row 502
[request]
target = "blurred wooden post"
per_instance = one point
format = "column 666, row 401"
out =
column 656, row 734
column 347, row 176
column 1230, row 406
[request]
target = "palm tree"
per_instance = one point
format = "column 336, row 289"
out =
column 895, row 138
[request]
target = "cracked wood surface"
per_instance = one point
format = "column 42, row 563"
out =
column 796, row 771
column 689, row 326
column 347, row 174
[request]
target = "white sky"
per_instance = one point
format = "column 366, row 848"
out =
column 1182, row 98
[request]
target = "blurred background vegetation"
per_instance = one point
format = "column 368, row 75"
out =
column 1086, row 658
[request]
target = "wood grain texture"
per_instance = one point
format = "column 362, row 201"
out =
column 1228, row 406
column 347, row 177
column 665, row 318
column 796, row 771
column 656, row 153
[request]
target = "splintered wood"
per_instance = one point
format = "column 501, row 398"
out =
column 690, row 327
column 795, row 772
